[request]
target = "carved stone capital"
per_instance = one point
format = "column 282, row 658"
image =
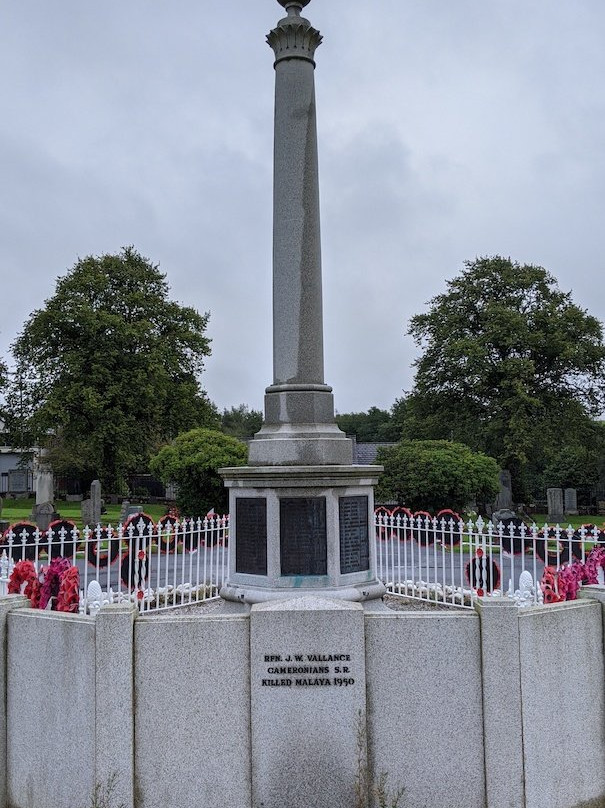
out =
column 294, row 38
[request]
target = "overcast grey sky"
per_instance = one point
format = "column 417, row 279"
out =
column 447, row 130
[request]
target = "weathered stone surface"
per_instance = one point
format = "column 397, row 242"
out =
column 50, row 709
column 571, row 501
column 44, row 514
column 277, row 487
column 502, row 707
column 114, row 677
column 7, row 604
column 425, row 715
column 562, row 674
column 44, row 485
column 192, row 682
column 504, row 500
column 86, row 513
column 308, row 695
column 95, row 502
column 554, row 498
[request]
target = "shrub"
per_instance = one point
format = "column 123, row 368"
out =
column 191, row 462
column 435, row 474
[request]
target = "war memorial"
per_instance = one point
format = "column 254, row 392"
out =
column 300, row 687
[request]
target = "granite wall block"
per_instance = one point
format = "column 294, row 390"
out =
column 424, row 706
column 50, row 709
column 563, row 690
column 192, row 711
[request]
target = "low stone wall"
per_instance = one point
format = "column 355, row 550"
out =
column 50, row 709
column 563, row 698
column 498, row 708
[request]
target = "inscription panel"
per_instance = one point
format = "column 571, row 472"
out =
column 251, row 538
column 354, row 534
column 307, row 670
column 303, row 537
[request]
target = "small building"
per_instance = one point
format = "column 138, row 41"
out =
column 16, row 468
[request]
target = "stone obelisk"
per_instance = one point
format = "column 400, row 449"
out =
column 301, row 514
column 299, row 422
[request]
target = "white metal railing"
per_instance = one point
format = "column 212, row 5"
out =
column 439, row 559
column 158, row 566
column 446, row 560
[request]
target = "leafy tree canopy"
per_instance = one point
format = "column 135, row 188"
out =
column 191, row 462
column 109, row 369
column 573, row 467
column 373, row 426
column 435, row 474
column 509, row 365
column 241, row 422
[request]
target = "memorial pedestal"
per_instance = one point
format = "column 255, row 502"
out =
column 297, row 530
column 308, row 702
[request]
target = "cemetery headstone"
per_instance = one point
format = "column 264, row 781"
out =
column 131, row 510
column 503, row 515
column 95, row 501
column 505, row 495
column 17, row 482
column 571, row 501
column 86, row 513
column 44, row 485
column 124, row 511
column 554, row 497
column 44, row 514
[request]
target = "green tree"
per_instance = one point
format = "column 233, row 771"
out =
column 573, row 467
column 373, row 426
column 509, row 365
column 435, row 474
column 191, row 462
column 109, row 369
column 241, row 422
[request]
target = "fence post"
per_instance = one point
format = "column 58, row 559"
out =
column 7, row 604
column 502, row 711
column 114, row 724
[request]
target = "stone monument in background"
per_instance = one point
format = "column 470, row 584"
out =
column 44, row 509
column 554, row 497
column 91, row 507
column 571, row 501
column 301, row 514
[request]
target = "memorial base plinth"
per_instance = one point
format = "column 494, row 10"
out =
column 308, row 695
column 300, row 530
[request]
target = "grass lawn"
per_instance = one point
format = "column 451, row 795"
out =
column 575, row 521
column 17, row 510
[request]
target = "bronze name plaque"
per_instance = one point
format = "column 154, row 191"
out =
column 354, row 534
column 251, row 535
column 303, row 539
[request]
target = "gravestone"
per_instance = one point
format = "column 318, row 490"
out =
column 86, row 513
column 44, row 514
column 17, row 481
column 571, row 501
column 95, row 501
column 504, row 500
column 124, row 510
column 554, row 497
column 44, row 485
column 503, row 515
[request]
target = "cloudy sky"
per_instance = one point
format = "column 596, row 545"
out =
column 447, row 130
